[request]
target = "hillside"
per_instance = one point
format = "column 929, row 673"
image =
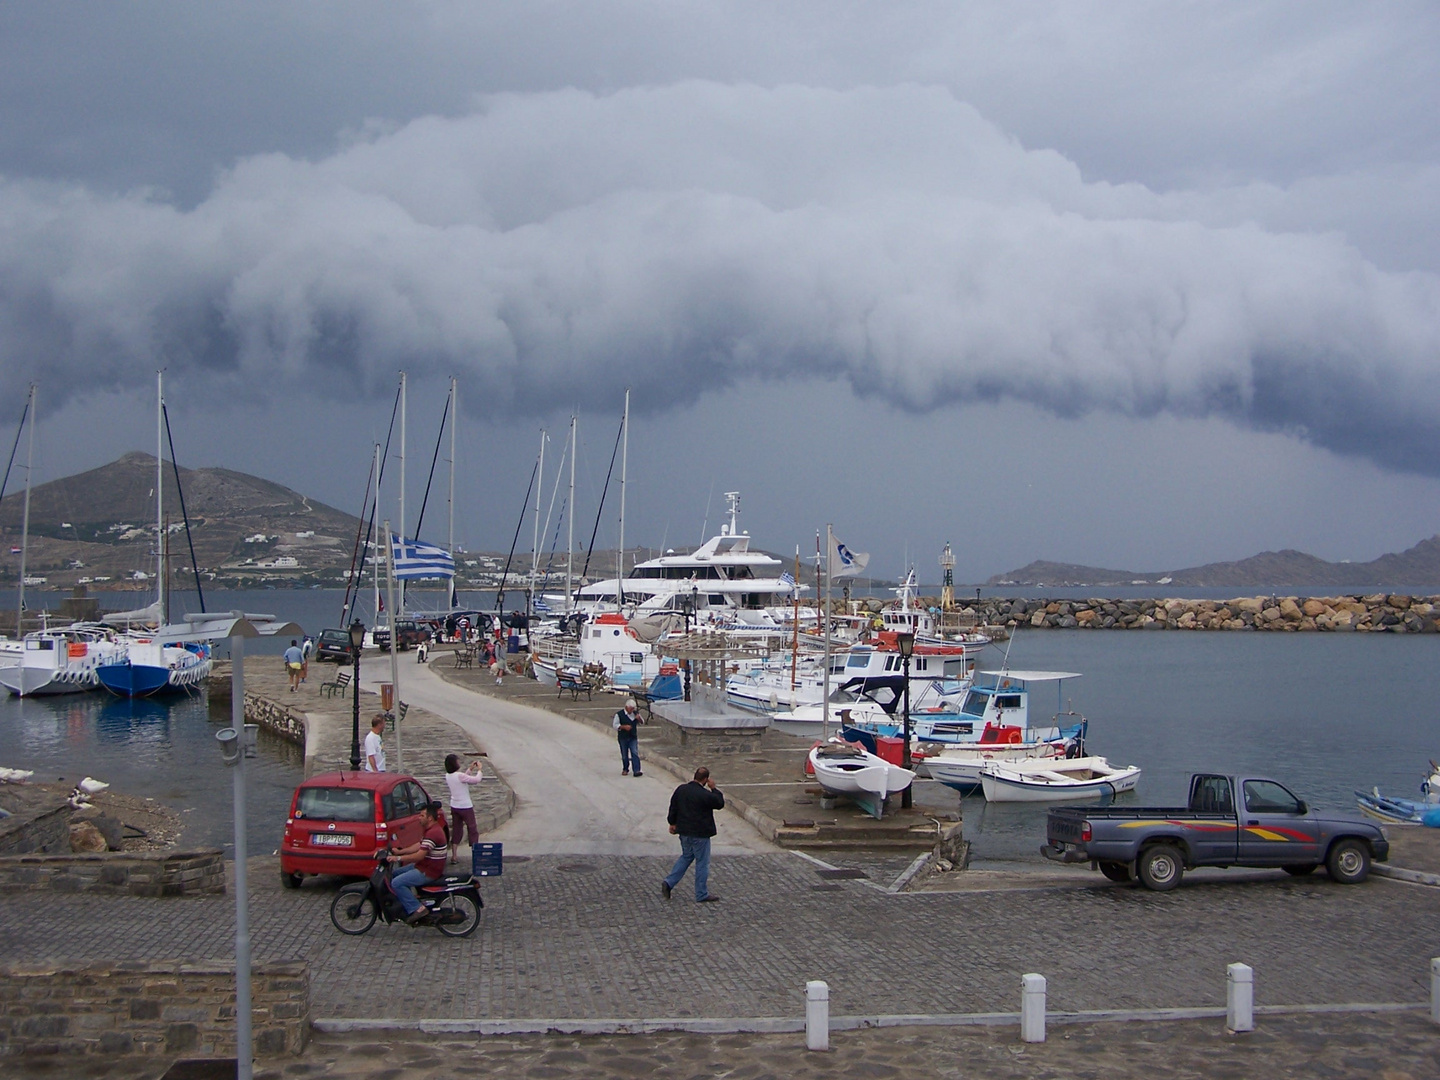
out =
column 1419, row 565
column 100, row 525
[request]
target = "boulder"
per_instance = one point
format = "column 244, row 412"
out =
column 1038, row 619
column 1313, row 608
column 1252, row 604
column 1269, row 615
column 85, row 837
column 1086, row 617
column 1290, row 610
column 1399, row 601
column 1186, row 621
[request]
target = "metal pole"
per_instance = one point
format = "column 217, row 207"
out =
column 355, row 695
column 244, row 1049
column 624, row 462
column 395, row 614
column 570, row 537
column 160, row 494
column 394, row 663
column 907, row 797
column 535, row 543
column 454, row 423
column 825, row 614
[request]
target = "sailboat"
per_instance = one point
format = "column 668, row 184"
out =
column 157, row 662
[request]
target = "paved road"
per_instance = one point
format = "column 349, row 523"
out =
column 570, row 796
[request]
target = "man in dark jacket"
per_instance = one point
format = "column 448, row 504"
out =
column 692, row 818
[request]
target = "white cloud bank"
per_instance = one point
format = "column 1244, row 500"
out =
column 558, row 246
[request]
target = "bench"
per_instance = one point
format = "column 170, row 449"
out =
column 340, row 682
column 465, row 657
column 577, row 686
column 401, row 711
column 642, row 702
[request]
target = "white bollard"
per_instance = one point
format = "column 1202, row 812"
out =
column 1032, row 1008
column 1239, row 998
column 1435, row 989
column 817, row 1015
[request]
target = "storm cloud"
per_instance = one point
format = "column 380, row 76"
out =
column 691, row 236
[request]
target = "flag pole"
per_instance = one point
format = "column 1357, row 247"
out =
column 825, row 614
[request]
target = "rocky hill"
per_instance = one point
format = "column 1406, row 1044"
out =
column 100, row 525
column 1417, row 566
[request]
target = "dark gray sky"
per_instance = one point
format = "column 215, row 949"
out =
column 1129, row 284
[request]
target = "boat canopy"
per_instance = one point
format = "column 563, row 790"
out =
column 1031, row 676
column 213, row 626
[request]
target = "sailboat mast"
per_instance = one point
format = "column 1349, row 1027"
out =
column 454, row 423
column 535, row 543
column 570, row 520
column 624, row 462
column 795, row 628
column 375, row 562
column 25, row 519
column 160, row 492
column 825, row 614
column 394, row 614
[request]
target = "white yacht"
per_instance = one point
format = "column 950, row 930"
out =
column 60, row 661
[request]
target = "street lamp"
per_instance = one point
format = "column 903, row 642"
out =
column 236, row 744
column 906, row 644
column 357, row 639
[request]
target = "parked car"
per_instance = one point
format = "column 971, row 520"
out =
column 339, row 821
column 408, row 632
column 1229, row 821
column 334, row 646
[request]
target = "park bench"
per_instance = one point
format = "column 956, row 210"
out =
column 337, row 685
column 465, row 657
column 577, row 685
column 642, row 701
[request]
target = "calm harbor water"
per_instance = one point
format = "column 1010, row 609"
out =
column 1324, row 713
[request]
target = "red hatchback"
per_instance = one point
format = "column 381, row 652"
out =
column 339, row 820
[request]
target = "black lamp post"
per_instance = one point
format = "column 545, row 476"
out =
column 906, row 643
column 357, row 639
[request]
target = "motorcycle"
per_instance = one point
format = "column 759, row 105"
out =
column 452, row 903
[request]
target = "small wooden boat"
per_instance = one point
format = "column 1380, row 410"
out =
column 1056, row 780
column 1405, row 811
column 842, row 768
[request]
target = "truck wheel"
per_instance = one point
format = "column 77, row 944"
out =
column 1302, row 869
column 1115, row 871
column 1348, row 862
column 1160, row 868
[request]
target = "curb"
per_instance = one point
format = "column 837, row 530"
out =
column 770, row 1025
column 1399, row 873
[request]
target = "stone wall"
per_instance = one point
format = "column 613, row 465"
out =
column 280, row 719
column 1347, row 613
column 161, row 1008
column 130, row 873
column 38, row 822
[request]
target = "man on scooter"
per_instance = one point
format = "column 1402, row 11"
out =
column 423, row 862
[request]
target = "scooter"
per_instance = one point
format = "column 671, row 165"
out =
column 452, row 903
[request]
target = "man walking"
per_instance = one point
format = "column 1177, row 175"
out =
column 627, row 729
column 375, row 745
column 294, row 663
column 692, row 818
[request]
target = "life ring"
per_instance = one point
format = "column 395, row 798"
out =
column 1013, row 736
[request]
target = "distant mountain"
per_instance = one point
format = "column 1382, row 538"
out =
column 245, row 528
column 1419, row 565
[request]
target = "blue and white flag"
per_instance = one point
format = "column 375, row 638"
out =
column 844, row 562
column 787, row 578
column 539, row 605
column 417, row 561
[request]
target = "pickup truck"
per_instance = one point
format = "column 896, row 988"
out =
column 1269, row 826
column 407, row 633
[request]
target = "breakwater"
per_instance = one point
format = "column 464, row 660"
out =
column 1391, row 613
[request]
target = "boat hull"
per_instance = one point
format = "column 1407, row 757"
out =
column 1003, row 786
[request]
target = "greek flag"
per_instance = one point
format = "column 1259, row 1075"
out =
column 416, row 561
column 540, row 605
column 787, row 578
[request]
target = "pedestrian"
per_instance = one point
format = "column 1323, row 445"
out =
column 497, row 668
column 307, row 650
column 462, row 807
column 294, row 664
column 374, row 746
column 627, row 728
column 692, row 818
column 423, row 861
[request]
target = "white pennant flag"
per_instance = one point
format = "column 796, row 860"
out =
column 844, row 562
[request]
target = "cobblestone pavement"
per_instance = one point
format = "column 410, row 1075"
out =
column 590, row 937
column 1385, row 1046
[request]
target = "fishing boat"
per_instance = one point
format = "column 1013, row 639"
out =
column 1055, row 780
column 842, row 768
column 59, row 661
column 605, row 646
column 1405, row 811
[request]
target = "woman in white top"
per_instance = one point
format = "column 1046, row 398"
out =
column 462, row 809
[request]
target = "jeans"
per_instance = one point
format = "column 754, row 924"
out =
column 630, row 753
column 403, row 884
column 694, row 849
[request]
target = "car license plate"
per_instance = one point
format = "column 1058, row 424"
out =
column 332, row 839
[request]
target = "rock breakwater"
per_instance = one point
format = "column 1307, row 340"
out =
column 1391, row 613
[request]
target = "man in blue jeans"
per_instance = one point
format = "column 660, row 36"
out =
column 423, row 862
column 692, row 818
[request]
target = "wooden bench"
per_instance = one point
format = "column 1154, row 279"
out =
column 565, row 681
column 340, row 682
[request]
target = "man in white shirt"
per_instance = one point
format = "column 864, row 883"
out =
column 374, row 748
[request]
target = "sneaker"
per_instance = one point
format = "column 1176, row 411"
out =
column 711, row 899
column 665, row 889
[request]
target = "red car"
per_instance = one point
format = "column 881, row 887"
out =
column 339, row 820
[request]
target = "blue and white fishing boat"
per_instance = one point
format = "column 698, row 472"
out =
column 1405, row 811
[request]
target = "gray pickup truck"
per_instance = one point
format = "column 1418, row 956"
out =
column 1268, row 827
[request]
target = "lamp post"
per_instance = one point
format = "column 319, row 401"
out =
column 906, row 643
column 236, row 744
column 357, row 639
